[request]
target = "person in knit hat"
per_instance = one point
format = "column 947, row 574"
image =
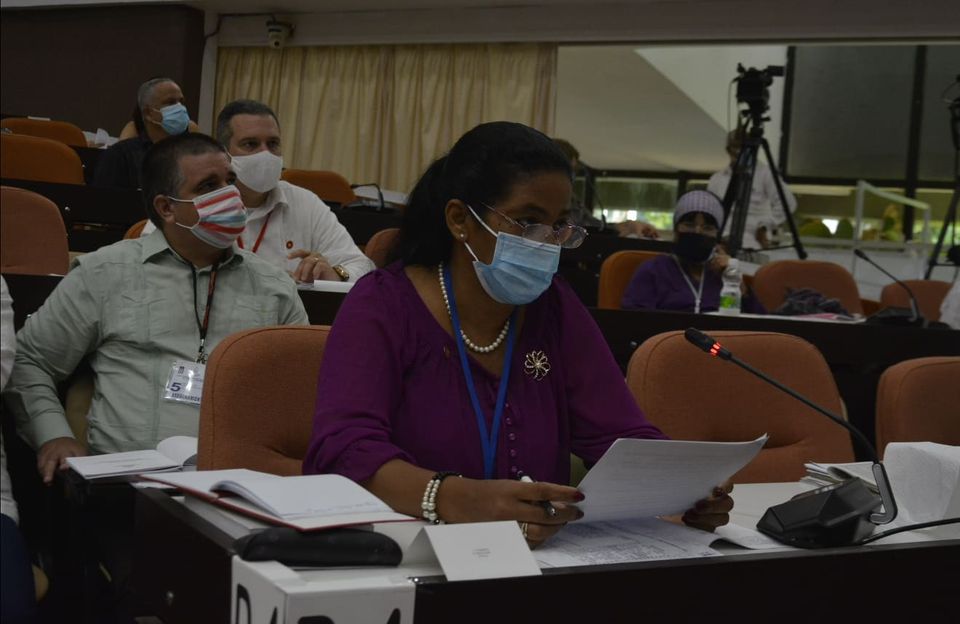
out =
column 689, row 279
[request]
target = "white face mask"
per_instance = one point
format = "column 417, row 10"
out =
column 259, row 172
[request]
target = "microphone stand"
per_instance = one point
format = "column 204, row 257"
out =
column 915, row 318
column 835, row 515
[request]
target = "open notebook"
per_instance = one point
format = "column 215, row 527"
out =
column 307, row 503
column 175, row 453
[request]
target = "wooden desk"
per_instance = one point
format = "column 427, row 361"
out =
column 182, row 572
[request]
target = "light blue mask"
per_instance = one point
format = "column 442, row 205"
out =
column 175, row 119
column 521, row 269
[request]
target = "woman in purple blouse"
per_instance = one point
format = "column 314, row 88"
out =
column 467, row 356
column 689, row 279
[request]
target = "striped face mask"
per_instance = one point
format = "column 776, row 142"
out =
column 222, row 216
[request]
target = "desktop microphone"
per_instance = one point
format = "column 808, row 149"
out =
column 894, row 315
column 835, row 515
column 382, row 206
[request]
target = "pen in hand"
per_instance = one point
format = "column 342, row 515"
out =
column 547, row 506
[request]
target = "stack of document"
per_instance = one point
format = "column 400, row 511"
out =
column 171, row 454
column 830, row 474
column 306, row 503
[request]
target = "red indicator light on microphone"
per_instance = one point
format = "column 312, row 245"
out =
column 715, row 349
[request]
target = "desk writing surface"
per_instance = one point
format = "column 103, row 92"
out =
column 812, row 585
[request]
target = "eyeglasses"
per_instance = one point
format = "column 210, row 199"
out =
column 566, row 235
column 709, row 230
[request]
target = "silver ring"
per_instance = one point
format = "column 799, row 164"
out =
column 523, row 529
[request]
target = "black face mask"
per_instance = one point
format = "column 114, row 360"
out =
column 694, row 247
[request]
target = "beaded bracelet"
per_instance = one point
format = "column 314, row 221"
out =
column 429, row 503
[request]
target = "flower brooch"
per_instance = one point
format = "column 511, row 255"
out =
column 537, row 365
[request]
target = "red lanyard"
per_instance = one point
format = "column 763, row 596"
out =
column 263, row 230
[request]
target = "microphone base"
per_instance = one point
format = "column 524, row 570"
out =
column 902, row 317
column 835, row 515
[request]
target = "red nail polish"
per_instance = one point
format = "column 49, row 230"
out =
column 579, row 496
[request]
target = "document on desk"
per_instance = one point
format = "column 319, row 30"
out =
column 643, row 478
column 627, row 541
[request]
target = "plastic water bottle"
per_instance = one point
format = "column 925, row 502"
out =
column 730, row 293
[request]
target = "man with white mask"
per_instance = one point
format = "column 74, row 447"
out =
column 287, row 225
column 145, row 313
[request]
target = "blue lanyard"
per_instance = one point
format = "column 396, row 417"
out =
column 488, row 441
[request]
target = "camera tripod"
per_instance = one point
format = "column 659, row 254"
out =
column 951, row 217
column 736, row 201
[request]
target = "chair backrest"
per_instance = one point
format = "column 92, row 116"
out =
column 692, row 396
column 615, row 275
column 328, row 185
column 919, row 401
column 771, row 281
column 259, row 396
column 135, row 230
column 62, row 131
column 25, row 157
column 33, row 238
column 929, row 294
column 380, row 245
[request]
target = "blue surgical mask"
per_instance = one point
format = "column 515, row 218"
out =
column 175, row 119
column 521, row 269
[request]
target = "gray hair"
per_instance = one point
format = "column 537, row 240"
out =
column 240, row 107
column 145, row 92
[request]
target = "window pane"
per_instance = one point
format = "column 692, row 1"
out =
column 850, row 111
column 936, row 146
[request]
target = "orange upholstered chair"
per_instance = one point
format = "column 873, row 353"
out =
column 615, row 275
column 929, row 294
column 34, row 238
column 919, row 401
column 62, row 131
column 135, row 230
column 328, row 185
column 772, row 280
column 693, row 396
column 258, row 399
column 380, row 246
column 42, row 160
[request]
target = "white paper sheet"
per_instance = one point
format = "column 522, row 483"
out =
column 627, row 541
column 115, row 464
column 643, row 478
column 747, row 538
column 925, row 478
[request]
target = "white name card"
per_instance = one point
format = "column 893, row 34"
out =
column 481, row 550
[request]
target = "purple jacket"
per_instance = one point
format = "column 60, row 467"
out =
column 658, row 284
column 391, row 386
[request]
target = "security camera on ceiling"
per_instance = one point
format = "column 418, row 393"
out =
column 278, row 33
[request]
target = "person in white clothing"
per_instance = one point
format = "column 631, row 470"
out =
column 287, row 225
column 765, row 214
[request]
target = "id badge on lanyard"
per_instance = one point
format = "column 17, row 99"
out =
column 185, row 382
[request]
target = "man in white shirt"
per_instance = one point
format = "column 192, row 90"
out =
column 287, row 225
column 765, row 214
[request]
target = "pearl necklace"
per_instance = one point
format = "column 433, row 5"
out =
column 493, row 346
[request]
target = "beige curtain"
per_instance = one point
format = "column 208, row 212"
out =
column 383, row 113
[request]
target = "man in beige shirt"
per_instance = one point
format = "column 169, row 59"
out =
column 143, row 311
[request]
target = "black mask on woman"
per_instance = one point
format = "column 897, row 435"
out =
column 694, row 247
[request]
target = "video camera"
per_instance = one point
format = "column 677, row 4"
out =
column 752, row 87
